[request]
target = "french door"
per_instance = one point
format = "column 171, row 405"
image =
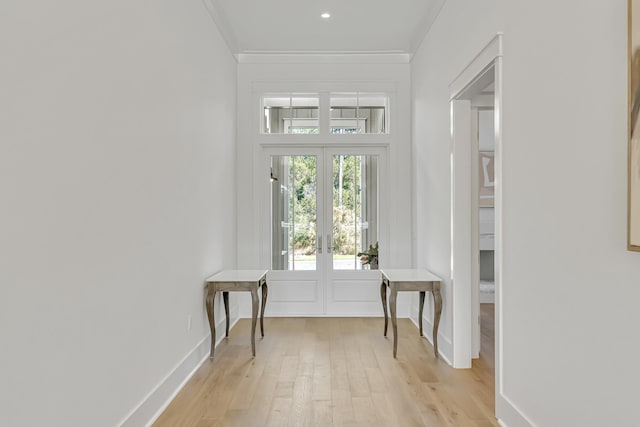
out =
column 324, row 208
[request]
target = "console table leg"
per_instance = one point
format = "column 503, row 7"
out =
column 394, row 319
column 225, row 298
column 212, row 322
column 265, row 292
column 437, row 298
column 383, row 297
column 421, row 310
column 254, row 319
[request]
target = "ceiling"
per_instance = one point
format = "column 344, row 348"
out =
column 295, row 26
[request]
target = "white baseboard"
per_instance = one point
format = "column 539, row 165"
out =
column 152, row 406
column 509, row 415
column 329, row 315
column 445, row 346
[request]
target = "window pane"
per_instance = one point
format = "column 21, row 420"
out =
column 355, row 209
column 358, row 112
column 290, row 113
column 344, row 110
column 293, row 213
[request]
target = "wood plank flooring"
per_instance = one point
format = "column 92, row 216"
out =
column 335, row 372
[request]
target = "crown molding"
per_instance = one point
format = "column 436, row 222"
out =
column 222, row 23
column 426, row 24
column 324, row 58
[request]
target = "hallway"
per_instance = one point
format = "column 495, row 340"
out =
column 334, row 372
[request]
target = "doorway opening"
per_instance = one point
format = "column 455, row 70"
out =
column 476, row 109
column 324, row 212
column 483, row 261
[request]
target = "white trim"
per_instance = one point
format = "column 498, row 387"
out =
column 510, row 414
column 332, row 315
column 461, row 232
column 488, row 60
column 357, row 57
column 323, row 275
column 387, row 87
column 157, row 400
column 324, row 141
column 483, row 101
column 444, row 343
column 506, row 408
column 425, row 25
column 475, row 231
column 222, row 24
column 476, row 67
column 323, row 90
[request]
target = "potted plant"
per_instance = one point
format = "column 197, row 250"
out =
column 370, row 256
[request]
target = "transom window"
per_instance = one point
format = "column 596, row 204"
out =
column 291, row 113
column 348, row 113
column 358, row 113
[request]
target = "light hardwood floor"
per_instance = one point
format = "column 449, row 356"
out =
column 335, row 372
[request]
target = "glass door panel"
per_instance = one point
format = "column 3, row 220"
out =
column 354, row 208
column 294, row 212
column 323, row 207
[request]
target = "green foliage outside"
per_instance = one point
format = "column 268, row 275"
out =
column 346, row 204
column 302, row 202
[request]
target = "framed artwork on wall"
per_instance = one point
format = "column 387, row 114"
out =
column 486, row 179
column 633, row 166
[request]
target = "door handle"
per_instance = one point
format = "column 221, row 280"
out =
column 319, row 244
column 328, row 243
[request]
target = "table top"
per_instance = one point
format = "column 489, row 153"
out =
column 237, row 276
column 410, row 275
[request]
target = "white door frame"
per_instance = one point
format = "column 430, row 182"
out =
column 486, row 66
column 308, row 296
column 344, row 288
column 321, row 282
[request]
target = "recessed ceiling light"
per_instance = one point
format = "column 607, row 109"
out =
column 326, row 15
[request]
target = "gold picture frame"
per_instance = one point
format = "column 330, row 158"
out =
column 633, row 128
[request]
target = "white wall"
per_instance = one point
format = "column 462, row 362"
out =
column 570, row 289
column 460, row 31
column 321, row 72
column 117, row 128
